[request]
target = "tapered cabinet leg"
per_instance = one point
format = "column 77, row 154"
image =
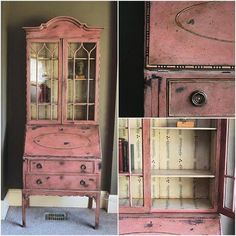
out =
column 97, row 211
column 90, row 203
column 24, row 205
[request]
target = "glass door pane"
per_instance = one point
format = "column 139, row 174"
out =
column 81, row 81
column 44, row 80
column 227, row 191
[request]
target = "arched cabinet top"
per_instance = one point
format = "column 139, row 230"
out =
column 63, row 27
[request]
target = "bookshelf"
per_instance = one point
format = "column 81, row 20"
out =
column 130, row 162
column 171, row 167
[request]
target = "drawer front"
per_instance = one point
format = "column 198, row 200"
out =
column 61, row 166
column 201, row 98
column 61, row 182
column 176, row 226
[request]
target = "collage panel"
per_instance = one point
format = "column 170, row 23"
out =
column 184, row 98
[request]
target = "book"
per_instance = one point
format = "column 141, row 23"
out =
column 132, row 156
column 125, row 156
column 121, row 155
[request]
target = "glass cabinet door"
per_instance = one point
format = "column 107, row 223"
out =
column 44, row 77
column 227, row 189
column 80, row 94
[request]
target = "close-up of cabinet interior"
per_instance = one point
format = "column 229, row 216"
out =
column 173, row 166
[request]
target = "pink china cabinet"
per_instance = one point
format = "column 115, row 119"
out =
column 175, row 176
column 189, row 59
column 62, row 154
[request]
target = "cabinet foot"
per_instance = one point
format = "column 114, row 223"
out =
column 90, row 203
column 97, row 211
column 25, row 204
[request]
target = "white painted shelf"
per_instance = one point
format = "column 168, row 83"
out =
column 183, row 173
column 183, row 203
column 183, row 128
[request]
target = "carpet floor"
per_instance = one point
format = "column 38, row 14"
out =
column 80, row 222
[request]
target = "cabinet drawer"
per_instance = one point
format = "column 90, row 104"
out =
column 194, row 97
column 66, row 182
column 176, row 226
column 61, row 166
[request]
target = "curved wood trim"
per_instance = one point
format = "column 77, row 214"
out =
column 60, row 19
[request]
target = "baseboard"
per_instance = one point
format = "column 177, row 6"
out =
column 4, row 208
column 112, row 206
column 108, row 202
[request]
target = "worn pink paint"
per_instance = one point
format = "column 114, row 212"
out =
column 189, row 40
column 62, row 157
column 171, row 44
column 186, row 225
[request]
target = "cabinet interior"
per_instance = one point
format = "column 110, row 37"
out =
column 182, row 164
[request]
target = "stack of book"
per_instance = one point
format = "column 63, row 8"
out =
column 124, row 155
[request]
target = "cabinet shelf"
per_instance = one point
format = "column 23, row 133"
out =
column 44, row 103
column 183, row 128
column 44, row 58
column 183, row 173
column 80, row 103
column 81, row 58
column 133, row 173
column 182, row 203
column 131, row 128
column 136, row 202
column 91, row 79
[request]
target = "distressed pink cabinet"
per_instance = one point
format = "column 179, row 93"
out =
column 189, row 59
column 175, row 176
column 62, row 154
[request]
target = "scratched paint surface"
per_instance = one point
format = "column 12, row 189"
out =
column 199, row 33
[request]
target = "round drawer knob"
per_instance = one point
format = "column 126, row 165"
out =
column 39, row 166
column 39, row 181
column 83, row 167
column 198, row 98
column 82, row 182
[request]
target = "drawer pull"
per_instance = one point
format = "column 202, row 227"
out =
column 82, row 182
column 39, row 166
column 39, row 181
column 198, row 98
column 148, row 225
column 83, row 167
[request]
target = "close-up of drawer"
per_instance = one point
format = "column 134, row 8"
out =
column 61, row 166
column 66, row 182
column 197, row 97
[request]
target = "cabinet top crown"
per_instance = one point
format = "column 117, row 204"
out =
column 61, row 26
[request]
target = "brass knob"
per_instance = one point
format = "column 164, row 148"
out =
column 83, row 167
column 198, row 98
column 39, row 166
column 82, row 182
column 39, row 181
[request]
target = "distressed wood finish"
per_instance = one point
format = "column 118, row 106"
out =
column 181, row 171
column 185, row 40
column 191, row 33
column 62, row 155
column 177, row 225
column 218, row 86
column 61, row 182
column 180, row 93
